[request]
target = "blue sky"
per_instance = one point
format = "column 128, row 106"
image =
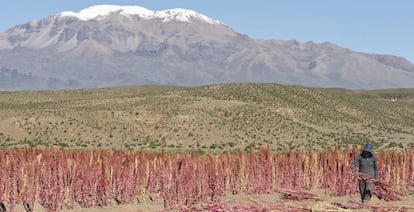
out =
column 372, row 26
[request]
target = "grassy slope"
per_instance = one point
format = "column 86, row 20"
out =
column 215, row 117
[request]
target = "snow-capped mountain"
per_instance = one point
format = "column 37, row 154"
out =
column 100, row 11
column 109, row 45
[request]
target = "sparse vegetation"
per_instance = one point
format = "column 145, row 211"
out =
column 216, row 117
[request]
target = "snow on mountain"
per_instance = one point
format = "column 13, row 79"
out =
column 178, row 14
column 130, row 45
column 183, row 15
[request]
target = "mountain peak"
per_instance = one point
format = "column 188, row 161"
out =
column 131, row 45
column 177, row 14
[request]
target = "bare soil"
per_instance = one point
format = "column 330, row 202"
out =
column 326, row 203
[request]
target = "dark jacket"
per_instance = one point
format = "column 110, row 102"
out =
column 367, row 165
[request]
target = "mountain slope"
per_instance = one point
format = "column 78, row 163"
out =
column 108, row 45
column 217, row 117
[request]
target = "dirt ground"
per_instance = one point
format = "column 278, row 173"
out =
column 326, row 203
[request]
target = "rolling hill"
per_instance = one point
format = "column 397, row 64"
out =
column 215, row 117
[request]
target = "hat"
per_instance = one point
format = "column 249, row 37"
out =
column 368, row 148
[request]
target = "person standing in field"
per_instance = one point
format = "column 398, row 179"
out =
column 368, row 170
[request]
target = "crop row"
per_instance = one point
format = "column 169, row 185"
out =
column 58, row 179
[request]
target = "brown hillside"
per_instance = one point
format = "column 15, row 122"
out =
column 216, row 117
